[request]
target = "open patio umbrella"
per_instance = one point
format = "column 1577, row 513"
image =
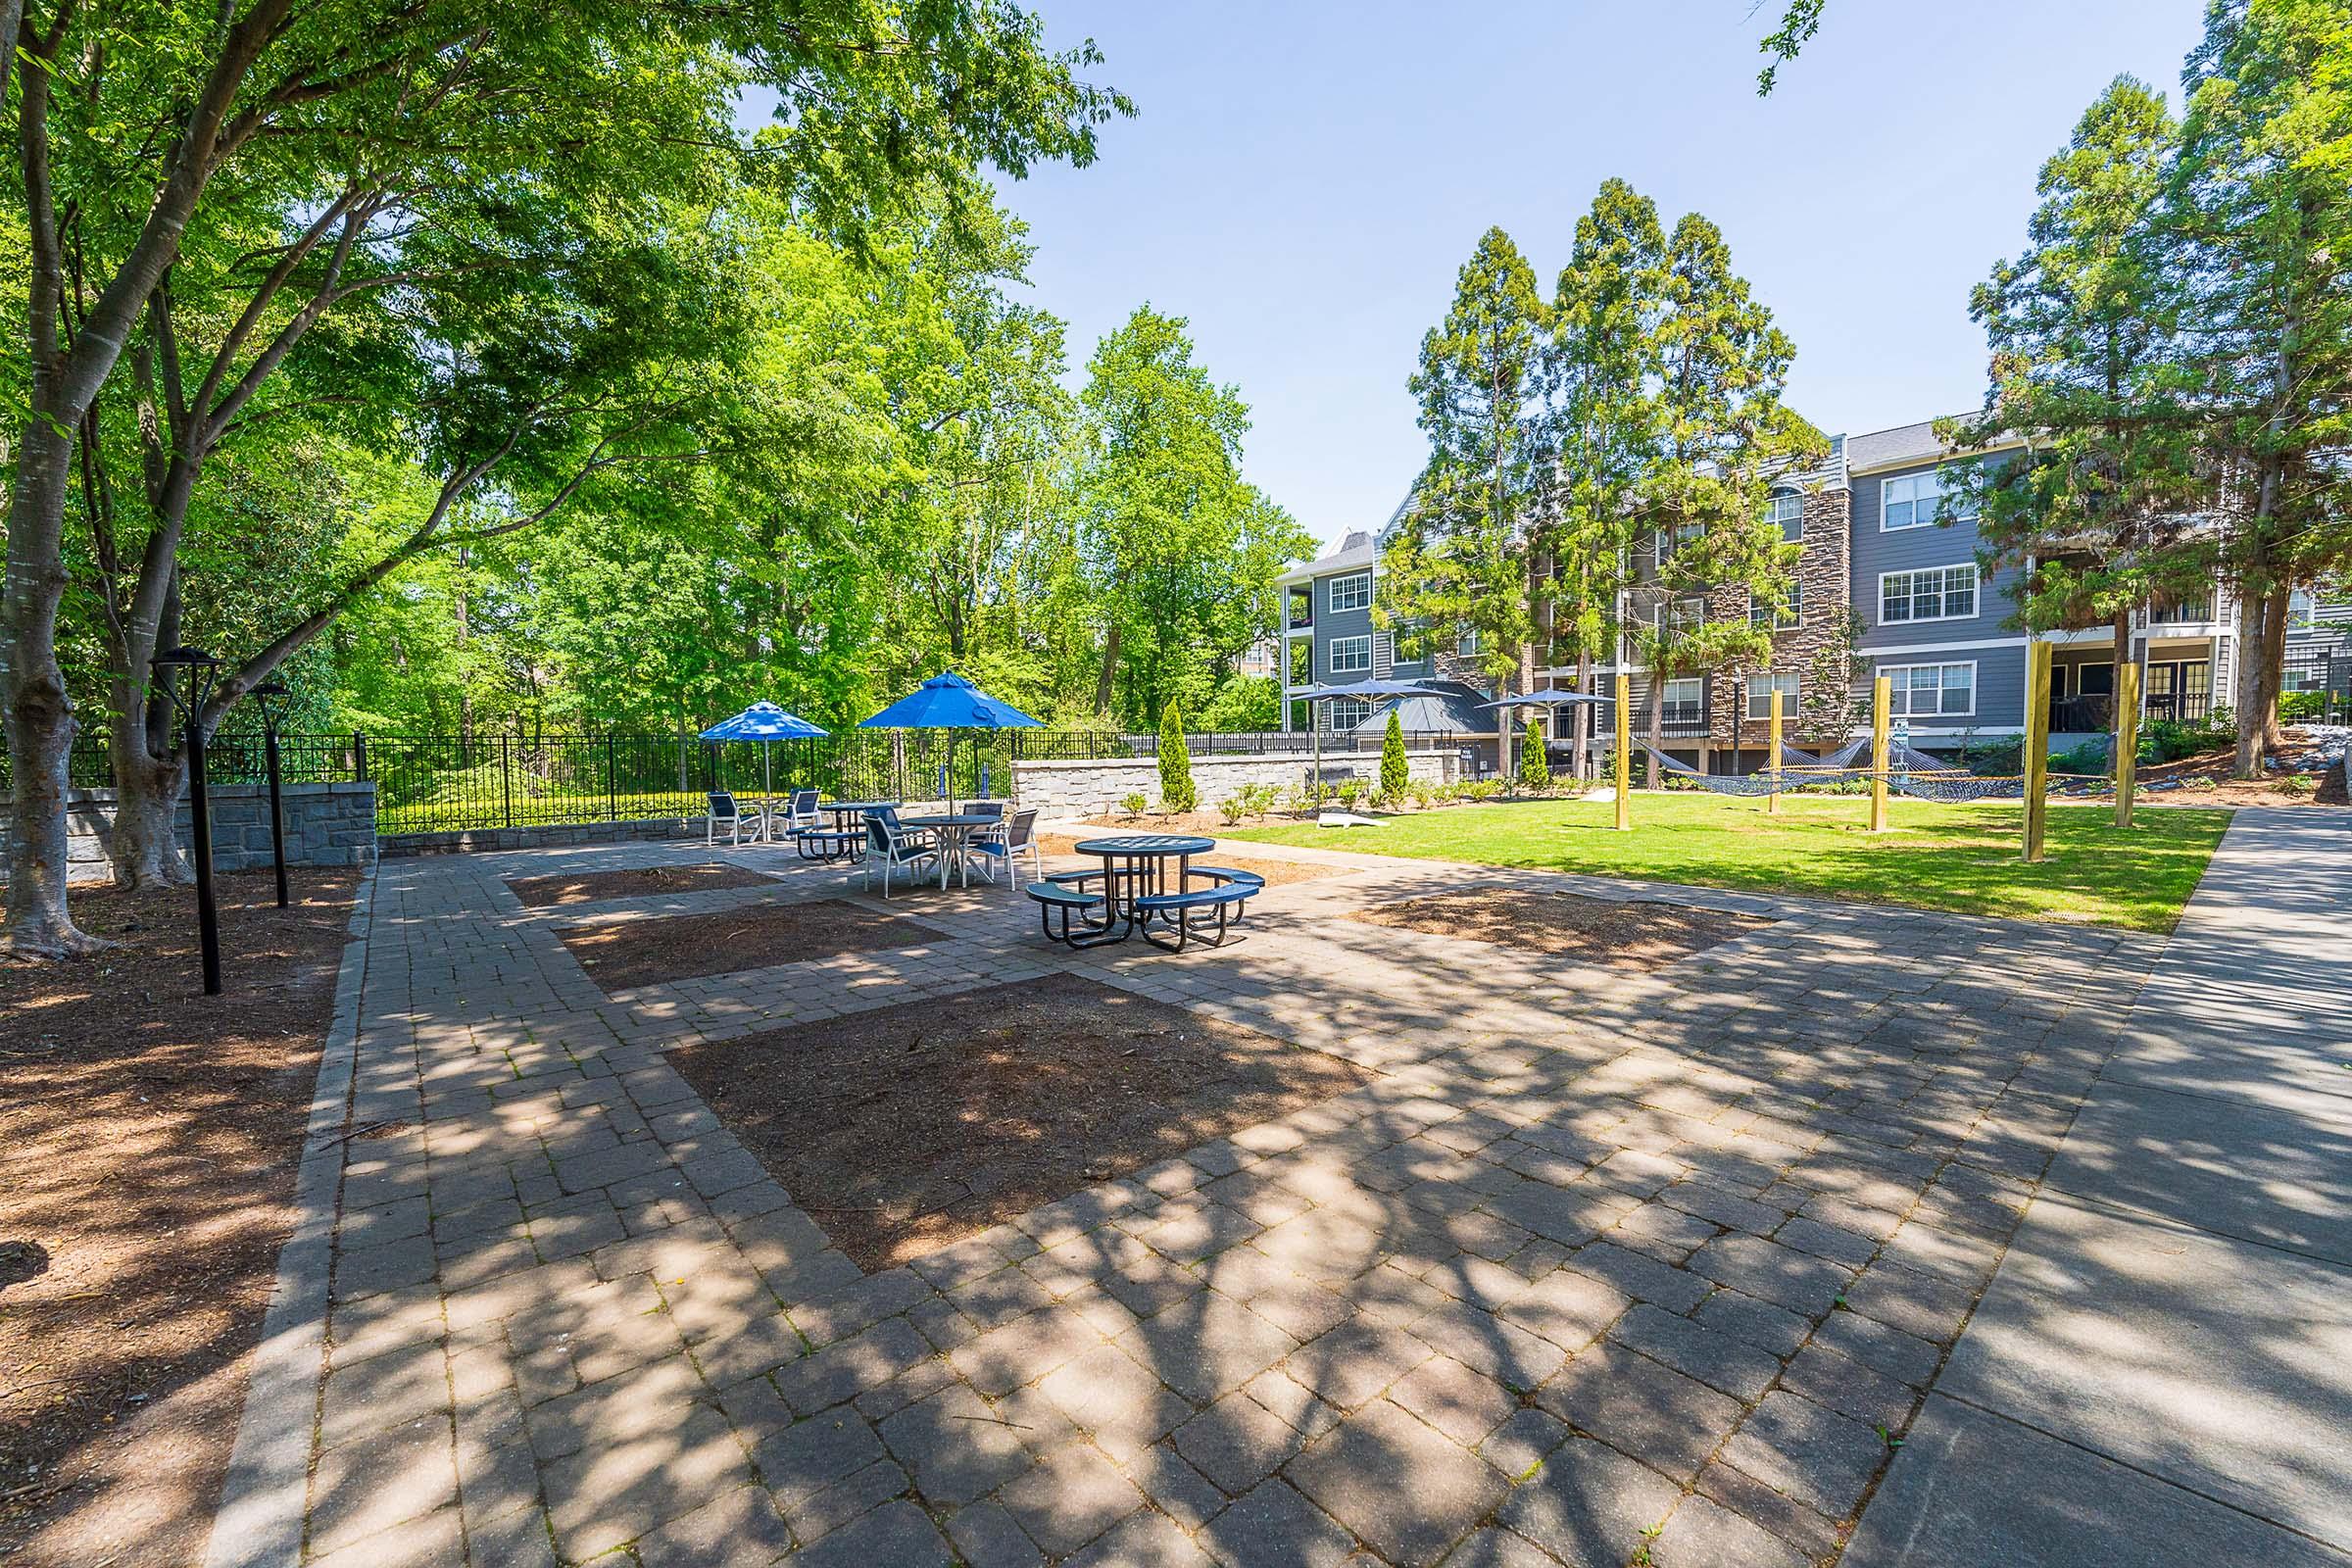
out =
column 949, row 702
column 763, row 722
column 1370, row 691
column 1548, row 697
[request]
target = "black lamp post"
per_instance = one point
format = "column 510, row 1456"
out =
column 271, row 696
column 198, row 671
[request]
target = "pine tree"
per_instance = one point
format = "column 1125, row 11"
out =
column 1601, row 381
column 2095, row 515
column 1176, row 792
column 1535, row 769
column 1462, row 561
column 1725, row 432
column 1396, row 773
column 2259, row 230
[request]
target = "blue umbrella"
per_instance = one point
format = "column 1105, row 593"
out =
column 763, row 722
column 950, row 703
column 1369, row 691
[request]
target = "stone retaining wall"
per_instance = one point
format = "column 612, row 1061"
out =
column 392, row 846
column 326, row 825
column 1091, row 788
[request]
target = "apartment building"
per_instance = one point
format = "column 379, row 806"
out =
column 1873, row 547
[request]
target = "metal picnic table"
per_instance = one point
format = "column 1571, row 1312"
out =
column 953, row 834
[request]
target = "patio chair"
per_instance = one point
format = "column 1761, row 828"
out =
column 722, row 813
column 891, row 846
column 801, row 814
column 1009, row 841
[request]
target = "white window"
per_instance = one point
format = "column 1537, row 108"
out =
column 1785, row 618
column 1938, row 592
column 1759, row 694
column 2302, row 608
column 1686, row 701
column 1933, row 690
column 1348, row 711
column 1670, row 542
column 1466, row 645
column 1786, row 513
column 1917, row 500
column 1351, row 656
column 1686, row 616
column 1352, row 592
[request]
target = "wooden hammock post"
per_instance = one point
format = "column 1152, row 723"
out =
column 2127, row 737
column 1772, row 802
column 1882, row 700
column 2037, row 749
column 1625, row 765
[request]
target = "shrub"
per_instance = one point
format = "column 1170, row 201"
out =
column 1534, row 769
column 2088, row 757
column 1232, row 809
column 2294, row 706
column 1395, row 771
column 1352, row 793
column 2297, row 784
column 1133, row 806
column 1421, row 792
column 1176, row 792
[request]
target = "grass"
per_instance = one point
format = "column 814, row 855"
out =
column 1961, row 859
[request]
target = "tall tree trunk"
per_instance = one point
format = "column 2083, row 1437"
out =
column 2252, row 643
column 1110, row 665
column 39, row 716
column 1581, row 724
column 2271, row 676
column 1657, row 724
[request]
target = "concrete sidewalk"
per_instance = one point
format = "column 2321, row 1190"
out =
column 2161, row 1371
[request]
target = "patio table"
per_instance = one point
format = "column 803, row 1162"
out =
column 953, row 835
column 1135, row 865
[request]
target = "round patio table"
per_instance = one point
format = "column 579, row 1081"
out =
column 851, row 814
column 954, row 833
column 1135, row 865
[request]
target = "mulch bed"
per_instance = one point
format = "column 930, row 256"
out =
column 151, row 1136
column 1618, row 935
column 645, row 882
column 904, row 1129
column 622, row 955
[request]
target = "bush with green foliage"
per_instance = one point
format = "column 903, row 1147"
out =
column 2089, row 757
column 1231, row 810
column 1534, row 769
column 1176, row 792
column 2294, row 706
column 1352, row 793
column 1396, row 773
column 1133, row 806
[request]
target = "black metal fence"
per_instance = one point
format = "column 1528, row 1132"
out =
column 523, row 778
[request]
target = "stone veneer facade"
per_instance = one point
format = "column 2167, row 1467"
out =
column 326, row 825
column 1824, row 575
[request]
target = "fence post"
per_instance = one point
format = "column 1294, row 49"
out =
column 506, row 776
column 611, row 784
column 359, row 755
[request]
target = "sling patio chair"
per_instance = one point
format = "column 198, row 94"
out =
column 1006, row 842
column 888, row 846
column 723, row 813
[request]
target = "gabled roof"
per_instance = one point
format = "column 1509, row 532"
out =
column 1355, row 552
column 1900, row 446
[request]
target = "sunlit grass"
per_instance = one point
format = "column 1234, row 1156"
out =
column 1962, row 858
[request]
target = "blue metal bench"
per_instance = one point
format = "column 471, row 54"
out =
column 1062, row 894
column 1227, row 890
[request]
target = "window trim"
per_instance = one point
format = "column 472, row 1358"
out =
column 1773, row 510
column 1892, row 670
column 1771, row 677
column 1667, row 703
column 1332, row 708
column 1975, row 596
column 1331, row 591
column 1331, row 655
column 1934, row 477
column 1787, row 617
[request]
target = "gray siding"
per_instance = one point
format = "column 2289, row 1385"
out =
column 1911, row 549
column 1343, row 623
column 2000, row 685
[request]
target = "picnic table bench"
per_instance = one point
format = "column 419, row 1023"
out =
column 1089, row 908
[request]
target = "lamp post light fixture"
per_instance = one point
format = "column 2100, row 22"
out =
column 187, row 675
column 272, row 698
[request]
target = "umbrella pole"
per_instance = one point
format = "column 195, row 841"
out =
column 950, row 772
column 1315, row 788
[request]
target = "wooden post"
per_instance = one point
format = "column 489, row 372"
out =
column 1882, row 700
column 2127, row 738
column 1772, row 759
column 1625, row 745
column 2037, row 749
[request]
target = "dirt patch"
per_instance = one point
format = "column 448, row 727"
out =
column 1276, row 872
column 622, row 955
column 644, row 882
column 1617, row 935
column 908, row 1128
column 151, row 1134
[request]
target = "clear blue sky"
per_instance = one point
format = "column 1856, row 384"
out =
column 1302, row 180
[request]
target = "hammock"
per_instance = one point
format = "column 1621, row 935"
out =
column 1910, row 772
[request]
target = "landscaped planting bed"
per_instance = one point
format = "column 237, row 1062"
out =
column 903, row 1129
column 151, row 1134
column 622, row 954
column 1622, row 934
column 641, row 882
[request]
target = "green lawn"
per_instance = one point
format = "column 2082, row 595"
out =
column 1958, row 858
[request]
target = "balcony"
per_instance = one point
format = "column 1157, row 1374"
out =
column 2081, row 715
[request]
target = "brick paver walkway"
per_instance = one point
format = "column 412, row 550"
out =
column 1597, row 1264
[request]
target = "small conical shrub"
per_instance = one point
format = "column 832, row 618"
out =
column 1395, row 773
column 1176, row 792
